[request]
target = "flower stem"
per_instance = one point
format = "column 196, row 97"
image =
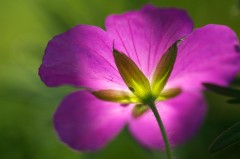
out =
column 162, row 129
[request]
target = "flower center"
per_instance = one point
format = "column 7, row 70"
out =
column 141, row 91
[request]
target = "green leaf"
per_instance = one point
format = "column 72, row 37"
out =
column 164, row 69
column 230, row 92
column 169, row 93
column 234, row 101
column 115, row 96
column 136, row 81
column 139, row 110
column 225, row 139
column 236, row 81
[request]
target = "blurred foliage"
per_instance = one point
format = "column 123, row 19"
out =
column 227, row 138
column 27, row 106
column 230, row 136
column 233, row 94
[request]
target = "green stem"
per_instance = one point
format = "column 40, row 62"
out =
column 162, row 129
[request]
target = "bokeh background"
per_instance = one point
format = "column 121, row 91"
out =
column 27, row 105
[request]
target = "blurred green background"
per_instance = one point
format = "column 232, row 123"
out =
column 27, row 105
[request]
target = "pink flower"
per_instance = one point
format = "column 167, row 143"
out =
column 83, row 57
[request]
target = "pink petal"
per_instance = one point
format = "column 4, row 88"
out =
column 86, row 123
column 181, row 116
column 209, row 54
column 81, row 56
column 144, row 35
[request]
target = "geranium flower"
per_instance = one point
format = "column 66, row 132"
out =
column 130, row 63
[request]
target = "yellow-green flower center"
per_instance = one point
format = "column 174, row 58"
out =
column 142, row 92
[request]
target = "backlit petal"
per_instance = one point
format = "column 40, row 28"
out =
column 81, row 56
column 86, row 123
column 181, row 116
column 146, row 34
column 208, row 55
